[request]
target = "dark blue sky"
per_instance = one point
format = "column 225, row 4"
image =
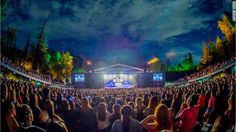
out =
column 121, row 31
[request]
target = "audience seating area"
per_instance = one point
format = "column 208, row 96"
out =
column 207, row 106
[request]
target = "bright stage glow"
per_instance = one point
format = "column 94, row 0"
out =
column 114, row 75
column 105, row 76
column 118, row 80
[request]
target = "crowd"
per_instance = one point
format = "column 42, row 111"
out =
column 32, row 73
column 211, row 68
column 209, row 106
column 206, row 71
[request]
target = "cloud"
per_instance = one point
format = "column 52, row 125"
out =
column 171, row 54
column 149, row 20
column 108, row 23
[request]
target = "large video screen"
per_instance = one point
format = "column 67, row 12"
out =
column 79, row 78
column 158, row 77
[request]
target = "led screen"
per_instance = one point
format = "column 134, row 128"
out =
column 157, row 77
column 79, row 78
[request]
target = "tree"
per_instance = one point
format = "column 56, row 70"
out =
column 4, row 4
column 205, row 54
column 179, row 67
column 8, row 43
column 41, row 52
column 9, row 38
column 168, row 64
column 61, row 65
column 227, row 28
column 55, row 65
column 190, row 58
column 212, row 52
column 187, row 63
column 67, row 62
column 226, row 25
column 221, row 49
column 27, row 47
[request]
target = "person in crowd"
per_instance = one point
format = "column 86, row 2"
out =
column 46, row 96
column 201, row 104
column 94, row 102
column 26, row 99
column 4, row 92
column 175, row 104
column 88, row 120
column 139, row 108
column 159, row 121
column 110, row 104
column 153, row 102
column 126, row 123
column 57, row 126
column 210, row 108
column 221, row 124
column 167, row 100
column 103, row 118
column 68, row 115
column 48, row 114
column 184, row 102
column 116, row 114
column 33, row 103
column 19, row 97
column 131, row 103
column 127, row 100
column 12, row 97
column 188, row 116
column 145, row 100
column 230, row 112
column 10, row 117
column 59, row 101
column 26, row 118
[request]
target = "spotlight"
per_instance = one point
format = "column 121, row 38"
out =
column 88, row 62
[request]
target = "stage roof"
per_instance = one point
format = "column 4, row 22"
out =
column 119, row 68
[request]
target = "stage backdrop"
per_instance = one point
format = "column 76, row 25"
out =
column 118, row 76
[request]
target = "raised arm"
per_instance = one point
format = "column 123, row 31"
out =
column 145, row 122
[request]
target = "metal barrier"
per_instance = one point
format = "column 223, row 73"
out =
column 205, row 76
column 23, row 74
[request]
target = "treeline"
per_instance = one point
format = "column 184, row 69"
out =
column 213, row 51
column 185, row 65
column 37, row 56
column 221, row 48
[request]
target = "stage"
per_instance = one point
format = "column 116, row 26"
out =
column 118, row 76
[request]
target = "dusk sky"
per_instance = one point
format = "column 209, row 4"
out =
column 120, row 30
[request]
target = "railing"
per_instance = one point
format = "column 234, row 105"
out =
column 216, row 72
column 205, row 76
column 24, row 74
column 51, row 84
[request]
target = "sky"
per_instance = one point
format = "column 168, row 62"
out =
column 119, row 31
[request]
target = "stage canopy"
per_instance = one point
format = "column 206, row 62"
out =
column 119, row 68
